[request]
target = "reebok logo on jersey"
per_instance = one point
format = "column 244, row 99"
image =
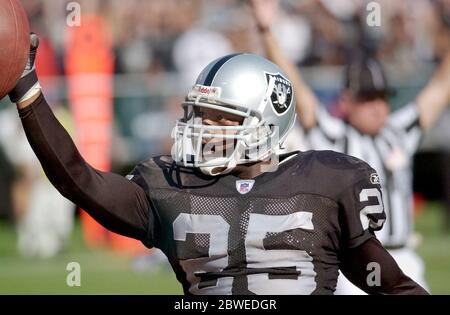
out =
column 374, row 179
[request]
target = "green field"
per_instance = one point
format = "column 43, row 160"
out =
column 435, row 248
column 104, row 273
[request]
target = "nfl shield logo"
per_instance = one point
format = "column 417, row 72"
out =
column 244, row 186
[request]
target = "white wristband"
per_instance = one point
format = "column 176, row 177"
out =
column 31, row 92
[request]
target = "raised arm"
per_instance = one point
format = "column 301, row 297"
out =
column 264, row 12
column 435, row 97
column 115, row 202
column 371, row 268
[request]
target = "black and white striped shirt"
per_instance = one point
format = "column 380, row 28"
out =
column 389, row 153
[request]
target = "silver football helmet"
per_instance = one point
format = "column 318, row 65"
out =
column 244, row 85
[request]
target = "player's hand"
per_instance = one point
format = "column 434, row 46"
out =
column 28, row 84
column 264, row 12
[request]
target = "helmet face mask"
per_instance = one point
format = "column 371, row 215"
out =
column 244, row 86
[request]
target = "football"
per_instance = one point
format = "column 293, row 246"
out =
column 14, row 43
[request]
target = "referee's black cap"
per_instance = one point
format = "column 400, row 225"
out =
column 365, row 78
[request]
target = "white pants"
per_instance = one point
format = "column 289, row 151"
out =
column 44, row 229
column 407, row 259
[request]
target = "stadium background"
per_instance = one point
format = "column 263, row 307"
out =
column 151, row 52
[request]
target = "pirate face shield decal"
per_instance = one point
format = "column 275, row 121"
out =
column 281, row 96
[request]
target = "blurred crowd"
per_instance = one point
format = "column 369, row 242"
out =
column 161, row 36
column 167, row 39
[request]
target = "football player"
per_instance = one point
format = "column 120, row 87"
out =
column 232, row 215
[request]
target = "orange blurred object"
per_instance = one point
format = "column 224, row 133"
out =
column 89, row 64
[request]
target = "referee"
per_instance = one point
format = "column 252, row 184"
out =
column 387, row 141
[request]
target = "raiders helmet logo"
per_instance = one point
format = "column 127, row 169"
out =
column 281, row 96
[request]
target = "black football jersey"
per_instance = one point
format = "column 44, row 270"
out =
column 279, row 233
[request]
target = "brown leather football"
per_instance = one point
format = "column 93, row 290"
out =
column 14, row 43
